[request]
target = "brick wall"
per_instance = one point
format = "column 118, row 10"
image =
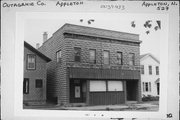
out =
column 58, row 81
column 57, row 85
column 35, row 94
column 85, row 45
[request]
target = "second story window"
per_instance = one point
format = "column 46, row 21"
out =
column 131, row 58
column 58, row 56
column 119, row 58
column 106, row 57
column 142, row 69
column 150, row 70
column 92, row 55
column 77, row 54
column 157, row 70
column 31, row 62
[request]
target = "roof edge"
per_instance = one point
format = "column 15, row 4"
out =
column 149, row 54
column 122, row 39
column 36, row 51
column 97, row 28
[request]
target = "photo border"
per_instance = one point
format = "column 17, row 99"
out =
column 165, row 74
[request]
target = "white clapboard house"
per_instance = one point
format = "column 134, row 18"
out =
column 149, row 75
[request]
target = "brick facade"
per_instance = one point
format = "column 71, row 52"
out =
column 35, row 95
column 86, row 38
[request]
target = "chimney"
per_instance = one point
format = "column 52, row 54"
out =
column 37, row 45
column 45, row 36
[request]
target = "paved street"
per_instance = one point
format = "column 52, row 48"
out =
column 145, row 106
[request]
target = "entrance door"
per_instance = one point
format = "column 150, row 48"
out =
column 76, row 95
column 131, row 87
column 77, row 90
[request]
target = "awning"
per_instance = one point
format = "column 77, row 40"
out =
column 95, row 73
column 157, row 81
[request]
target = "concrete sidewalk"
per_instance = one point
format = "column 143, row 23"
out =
column 144, row 106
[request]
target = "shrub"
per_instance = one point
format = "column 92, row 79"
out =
column 150, row 98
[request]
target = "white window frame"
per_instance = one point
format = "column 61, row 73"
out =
column 114, row 86
column 142, row 69
column 95, row 86
column 106, row 60
column 30, row 62
column 157, row 70
column 119, row 58
column 92, row 58
column 150, row 69
column 131, row 58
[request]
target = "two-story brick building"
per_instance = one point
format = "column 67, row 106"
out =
column 92, row 66
column 35, row 73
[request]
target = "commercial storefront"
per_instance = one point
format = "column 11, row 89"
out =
column 92, row 66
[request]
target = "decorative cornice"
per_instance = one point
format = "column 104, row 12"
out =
column 102, row 39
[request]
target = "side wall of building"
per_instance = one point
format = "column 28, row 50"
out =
column 146, row 77
column 56, row 83
column 35, row 94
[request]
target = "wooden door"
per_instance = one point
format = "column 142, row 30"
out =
column 76, row 95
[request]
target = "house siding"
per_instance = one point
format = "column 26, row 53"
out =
column 146, row 77
column 35, row 94
column 57, row 83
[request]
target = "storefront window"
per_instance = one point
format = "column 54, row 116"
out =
column 97, row 86
column 115, row 86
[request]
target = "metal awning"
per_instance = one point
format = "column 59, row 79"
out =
column 95, row 73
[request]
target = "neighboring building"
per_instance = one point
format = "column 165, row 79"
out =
column 34, row 83
column 92, row 66
column 150, row 75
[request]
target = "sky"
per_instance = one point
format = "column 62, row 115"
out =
column 34, row 28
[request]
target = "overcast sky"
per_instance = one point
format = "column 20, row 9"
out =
column 34, row 28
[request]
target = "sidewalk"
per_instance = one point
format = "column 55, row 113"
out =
column 144, row 106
